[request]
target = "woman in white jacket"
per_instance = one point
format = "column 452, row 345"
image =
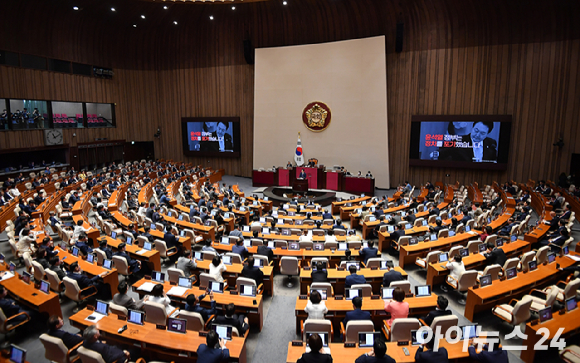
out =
column 316, row 308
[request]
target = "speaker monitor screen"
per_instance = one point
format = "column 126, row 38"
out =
column 217, row 136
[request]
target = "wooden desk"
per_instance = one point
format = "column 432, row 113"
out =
column 152, row 258
column 30, row 296
column 244, row 304
column 206, row 231
column 502, row 291
column 436, row 274
column 185, row 241
column 337, row 279
column 336, row 205
column 92, row 269
column 337, row 309
column 93, row 234
column 235, row 270
column 161, row 344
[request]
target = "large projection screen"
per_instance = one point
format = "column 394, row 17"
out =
column 348, row 76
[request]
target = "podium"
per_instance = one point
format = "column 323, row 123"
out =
column 300, row 186
column 315, row 176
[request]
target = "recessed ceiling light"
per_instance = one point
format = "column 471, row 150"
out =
column 165, row 7
column 175, row 22
column 113, row 9
column 285, row 3
column 233, row 8
column 75, row 8
column 142, row 16
column 211, row 17
column 134, row 25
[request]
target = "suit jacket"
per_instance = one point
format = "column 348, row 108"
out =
column 368, row 252
column 391, row 276
column 397, row 234
column 171, row 241
column 205, row 313
column 236, row 321
column 319, row 276
column 127, row 301
column 434, row 314
column 466, row 154
column 497, row 256
column 82, row 280
column 265, row 251
column 368, row 359
column 186, row 265
column 315, row 357
column 110, row 353
column 9, row 307
column 497, row 356
column 430, row 356
column 253, row 273
column 70, row 340
column 356, row 314
column 212, row 355
column 354, row 279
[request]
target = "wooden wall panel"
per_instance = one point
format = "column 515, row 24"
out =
column 459, row 57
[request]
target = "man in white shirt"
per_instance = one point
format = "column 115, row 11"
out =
column 79, row 229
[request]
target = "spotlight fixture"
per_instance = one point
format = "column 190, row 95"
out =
column 175, row 22
column 134, row 25
column 233, row 8
column 75, row 8
column 142, row 16
column 165, row 7
column 285, row 3
column 113, row 9
column 211, row 17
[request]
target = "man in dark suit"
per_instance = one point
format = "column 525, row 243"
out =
column 134, row 265
column 377, row 355
column 230, row 317
column 487, row 355
column 494, row 256
column 429, row 355
column 356, row 313
column 353, row 278
column 557, row 243
column 171, row 241
column 505, row 231
column 149, row 211
column 479, row 146
column 10, row 308
column 434, row 211
column 368, row 252
column 192, row 304
column 252, row 272
column 219, row 140
column 265, row 251
column 55, row 325
column 441, row 310
column 109, row 353
column 320, row 274
column 390, row 276
column 212, row 352
column 103, row 290
column 398, row 233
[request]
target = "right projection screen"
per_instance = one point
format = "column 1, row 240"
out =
column 350, row 78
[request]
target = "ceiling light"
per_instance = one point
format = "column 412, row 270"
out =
column 134, row 25
column 175, row 22
column 285, row 3
column 142, row 16
column 75, row 8
column 165, row 7
column 233, row 8
column 113, row 9
column 211, row 17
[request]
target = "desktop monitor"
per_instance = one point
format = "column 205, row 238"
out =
column 255, row 202
column 510, row 273
column 545, row 314
column 17, row 354
column 294, row 246
column 113, row 235
column 425, row 222
column 226, row 215
column 102, row 307
column 387, row 264
column 485, row 280
column 352, row 293
column 223, row 331
column 422, row 291
column 372, row 218
column 285, row 232
column 280, row 221
column 488, row 220
column 265, row 230
column 342, row 246
column 136, row 317
column 367, row 339
column 532, row 265
column 75, row 252
column 258, row 263
column 265, row 199
column 108, row 264
column 248, row 290
column 451, row 233
column 153, row 226
column 571, row 304
column 216, row 286
column 299, row 222
column 443, row 257
column 291, row 214
column 271, row 244
column 353, row 263
column 464, row 252
column 419, row 337
column 176, row 325
column 26, row 277
column 408, row 226
column 433, row 237
column 318, row 246
column 482, row 247
column 157, row 276
column 323, row 294
column 147, row 246
column 413, row 241
column 2, row 258
column 387, row 292
column 184, row 282
column 182, row 233
column 225, row 240
column 180, row 217
column 467, row 229
column 91, row 257
column 246, row 229
column 391, row 229
column 45, row 286
column 129, row 241
column 263, row 219
column 12, row 267
column 207, row 223
column 513, row 238
column 227, row 260
column 198, row 256
column 469, row 331
column 373, row 209
column 551, row 257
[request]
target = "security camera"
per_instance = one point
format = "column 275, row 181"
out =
column 158, row 133
column 559, row 143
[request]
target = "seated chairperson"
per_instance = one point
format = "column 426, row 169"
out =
column 353, row 278
column 214, row 351
column 121, row 298
column 429, row 355
column 319, row 274
column 494, row 255
column 441, row 310
column 134, row 265
column 56, row 267
column 82, row 245
column 356, row 313
column 239, row 248
column 316, row 354
column 231, row 318
column 368, row 252
column 103, row 290
column 103, row 247
column 192, row 304
column 488, row 354
column 252, row 272
column 398, row 308
column 55, row 325
column 109, row 353
column 315, row 307
column 390, row 276
column 10, row 308
column 377, row 355
column 186, row 263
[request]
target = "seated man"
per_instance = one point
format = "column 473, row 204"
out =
column 109, row 353
column 441, row 310
column 186, row 263
column 134, row 265
column 10, row 308
column 121, row 298
column 214, row 351
column 377, row 355
column 252, row 272
column 494, row 255
column 368, row 252
column 103, row 290
column 353, row 278
column 356, row 313
column 192, row 304
column 505, row 231
column 556, row 244
column 231, row 318
column 320, row 274
column 239, row 248
column 390, row 276
column 82, row 245
column 489, row 354
column 56, row 266
column 55, row 325
column 103, row 247
column 431, row 355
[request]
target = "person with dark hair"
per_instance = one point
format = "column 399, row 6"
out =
column 239, row 248
column 488, row 232
column 316, row 354
column 357, row 313
column 56, row 267
column 368, row 252
column 456, row 268
column 110, row 353
column 391, row 275
column 398, row 308
column 192, row 304
column 489, row 354
column 398, row 233
column 556, row 244
column 219, row 140
column 478, row 147
column 214, row 351
column 216, row 268
column 158, row 296
column 186, row 263
column 103, row 290
column 82, row 244
column 55, row 324
column 230, row 317
column 106, row 249
column 10, row 308
column 134, row 265
column 315, row 307
column 319, row 274
column 353, row 278
column 440, row 310
column 377, row 355
column 48, row 246
column 430, row 355
column 347, row 256
column 121, row 298
column 494, row 255
column 252, row 272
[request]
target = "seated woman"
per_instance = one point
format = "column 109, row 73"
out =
column 158, row 296
column 316, row 354
column 216, row 268
column 398, row 308
column 315, row 308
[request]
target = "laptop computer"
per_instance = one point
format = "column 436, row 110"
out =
column 545, row 314
column 485, row 280
column 17, row 354
column 184, row 282
column 367, row 339
column 108, row 264
column 216, row 286
column 129, row 241
column 510, row 273
column 342, row 246
column 176, row 325
column 113, row 235
column 248, row 290
column 157, row 276
column 91, row 257
column 223, row 331
column 571, row 304
column 102, row 307
column 387, row 264
column 147, row 246
column 75, row 251
column 464, row 252
column 136, row 317
column 469, row 331
column 225, row 241
column 419, row 337
column 532, row 265
column 352, row 263
column 265, row 230
column 443, row 257
column 44, row 286
column 387, row 292
column 422, row 291
column 352, row 293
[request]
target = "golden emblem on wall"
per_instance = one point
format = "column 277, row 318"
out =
column 316, row 116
